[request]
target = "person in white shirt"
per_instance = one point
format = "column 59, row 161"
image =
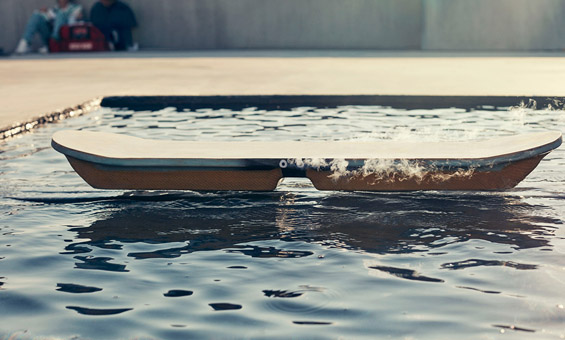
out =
column 47, row 22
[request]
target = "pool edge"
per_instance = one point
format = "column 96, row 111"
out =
column 156, row 102
column 51, row 117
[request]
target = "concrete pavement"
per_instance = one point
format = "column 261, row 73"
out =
column 33, row 86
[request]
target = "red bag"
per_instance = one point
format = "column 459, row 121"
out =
column 79, row 38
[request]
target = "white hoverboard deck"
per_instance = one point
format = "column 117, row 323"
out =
column 115, row 161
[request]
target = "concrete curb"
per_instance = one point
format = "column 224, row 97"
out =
column 52, row 117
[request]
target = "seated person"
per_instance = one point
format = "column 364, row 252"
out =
column 115, row 20
column 47, row 22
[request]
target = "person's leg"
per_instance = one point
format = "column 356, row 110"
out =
column 37, row 24
column 61, row 19
column 125, row 39
column 122, row 20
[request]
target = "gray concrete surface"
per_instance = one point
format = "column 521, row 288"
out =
column 512, row 25
column 36, row 85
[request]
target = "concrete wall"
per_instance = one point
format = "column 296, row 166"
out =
column 493, row 24
column 330, row 24
column 377, row 24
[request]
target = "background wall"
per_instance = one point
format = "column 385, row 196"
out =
column 493, row 24
column 380, row 24
column 330, row 24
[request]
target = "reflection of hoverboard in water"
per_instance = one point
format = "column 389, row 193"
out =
column 114, row 161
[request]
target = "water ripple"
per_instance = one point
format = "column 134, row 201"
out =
column 305, row 300
column 314, row 323
column 255, row 251
column 222, row 306
column 98, row 312
column 282, row 293
column 76, row 289
column 487, row 263
column 407, row 274
column 99, row 263
column 178, row 293
column 515, row 328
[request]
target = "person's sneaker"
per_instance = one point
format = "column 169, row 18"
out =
column 23, row 47
column 133, row 48
column 43, row 50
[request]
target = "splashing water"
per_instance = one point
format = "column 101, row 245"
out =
column 382, row 170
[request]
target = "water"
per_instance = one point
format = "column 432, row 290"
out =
column 80, row 263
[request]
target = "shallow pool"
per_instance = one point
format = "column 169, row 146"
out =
column 77, row 262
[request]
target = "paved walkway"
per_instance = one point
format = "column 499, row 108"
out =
column 32, row 86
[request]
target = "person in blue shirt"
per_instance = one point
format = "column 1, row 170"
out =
column 47, row 22
column 115, row 20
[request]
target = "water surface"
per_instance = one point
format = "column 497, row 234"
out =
column 77, row 262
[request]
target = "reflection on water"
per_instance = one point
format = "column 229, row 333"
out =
column 77, row 263
column 375, row 223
